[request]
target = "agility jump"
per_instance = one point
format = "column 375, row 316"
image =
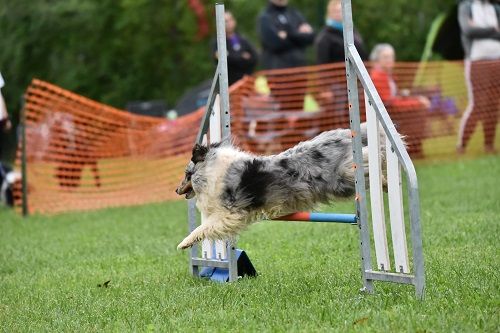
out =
column 221, row 261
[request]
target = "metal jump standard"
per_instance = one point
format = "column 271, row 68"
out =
column 221, row 261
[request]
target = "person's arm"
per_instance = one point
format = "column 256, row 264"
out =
column 301, row 38
column 396, row 104
column 245, row 58
column 467, row 26
column 234, row 59
column 270, row 35
column 251, row 59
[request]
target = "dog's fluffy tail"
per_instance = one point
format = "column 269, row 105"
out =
column 364, row 142
column 383, row 151
column 364, row 135
column 382, row 140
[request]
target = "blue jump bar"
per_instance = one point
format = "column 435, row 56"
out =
column 320, row 217
column 333, row 217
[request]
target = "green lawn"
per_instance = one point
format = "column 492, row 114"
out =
column 50, row 268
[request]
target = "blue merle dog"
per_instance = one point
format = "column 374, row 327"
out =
column 235, row 189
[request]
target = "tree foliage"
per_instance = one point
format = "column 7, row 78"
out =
column 112, row 51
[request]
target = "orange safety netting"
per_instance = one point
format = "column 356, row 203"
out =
column 84, row 155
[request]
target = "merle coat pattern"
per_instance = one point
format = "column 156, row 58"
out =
column 236, row 188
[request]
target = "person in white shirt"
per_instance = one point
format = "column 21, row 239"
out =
column 480, row 31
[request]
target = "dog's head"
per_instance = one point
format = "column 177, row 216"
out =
column 198, row 157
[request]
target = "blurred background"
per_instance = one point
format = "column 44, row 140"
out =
column 123, row 51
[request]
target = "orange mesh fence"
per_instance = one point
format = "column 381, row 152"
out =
column 85, row 155
column 425, row 101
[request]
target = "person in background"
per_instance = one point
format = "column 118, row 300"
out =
column 329, row 43
column 480, row 32
column 409, row 113
column 329, row 48
column 284, row 35
column 5, row 124
column 241, row 55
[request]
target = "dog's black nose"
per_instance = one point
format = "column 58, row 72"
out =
column 177, row 190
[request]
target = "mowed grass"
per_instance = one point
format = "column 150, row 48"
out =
column 309, row 278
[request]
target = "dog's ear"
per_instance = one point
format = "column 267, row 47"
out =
column 199, row 153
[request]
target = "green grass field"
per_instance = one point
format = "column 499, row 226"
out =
column 309, row 278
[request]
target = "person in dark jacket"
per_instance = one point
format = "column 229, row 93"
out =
column 329, row 43
column 284, row 34
column 329, row 48
column 241, row 55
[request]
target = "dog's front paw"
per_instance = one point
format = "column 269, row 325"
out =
column 186, row 243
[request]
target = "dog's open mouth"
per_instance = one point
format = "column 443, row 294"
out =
column 190, row 194
column 186, row 189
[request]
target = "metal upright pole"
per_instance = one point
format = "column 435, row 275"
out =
column 352, row 90
column 223, row 79
column 416, row 238
column 225, row 114
column 192, row 220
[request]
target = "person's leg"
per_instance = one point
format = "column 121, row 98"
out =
column 490, row 106
column 418, row 132
column 469, row 118
column 421, row 131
